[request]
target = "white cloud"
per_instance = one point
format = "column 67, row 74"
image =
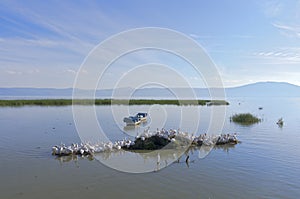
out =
column 70, row 71
column 49, row 37
column 12, row 72
column 197, row 36
column 194, row 36
column 288, row 30
column 287, row 55
column 23, row 72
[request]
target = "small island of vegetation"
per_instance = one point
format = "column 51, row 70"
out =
column 245, row 119
column 68, row 102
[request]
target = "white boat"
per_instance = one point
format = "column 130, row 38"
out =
column 142, row 116
column 131, row 120
column 135, row 120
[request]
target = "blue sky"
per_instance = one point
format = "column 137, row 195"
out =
column 43, row 43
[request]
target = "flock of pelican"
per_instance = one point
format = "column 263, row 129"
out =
column 171, row 135
column 89, row 149
column 202, row 139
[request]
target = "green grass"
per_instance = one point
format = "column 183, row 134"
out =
column 36, row 102
column 245, row 119
column 68, row 102
column 217, row 102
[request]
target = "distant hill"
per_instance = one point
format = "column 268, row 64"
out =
column 46, row 92
column 35, row 92
column 260, row 89
column 265, row 89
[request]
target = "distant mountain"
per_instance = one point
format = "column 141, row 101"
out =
column 265, row 89
column 260, row 89
column 35, row 92
column 48, row 93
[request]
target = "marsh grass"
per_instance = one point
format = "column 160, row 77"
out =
column 245, row 119
column 68, row 102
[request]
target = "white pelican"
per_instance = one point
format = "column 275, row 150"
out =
column 158, row 158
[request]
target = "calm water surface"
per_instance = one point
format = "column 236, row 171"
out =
column 265, row 165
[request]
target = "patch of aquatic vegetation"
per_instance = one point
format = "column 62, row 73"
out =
column 245, row 119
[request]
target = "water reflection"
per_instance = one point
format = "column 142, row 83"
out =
column 226, row 147
column 75, row 158
column 161, row 158
column 134, row 130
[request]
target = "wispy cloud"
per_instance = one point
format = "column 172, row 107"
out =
column 12, row 72
column 288, row 55
column 194, row 36
column 70, row 71
column 288, row 30
column 48, row 39
column 54, row 38
column 74, row 26
column 198, row 36
column 22, row 72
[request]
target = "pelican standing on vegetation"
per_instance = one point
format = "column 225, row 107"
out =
column 158, row 158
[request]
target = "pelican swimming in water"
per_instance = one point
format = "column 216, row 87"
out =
column 280, row 122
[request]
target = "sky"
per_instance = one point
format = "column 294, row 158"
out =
column 44, row 43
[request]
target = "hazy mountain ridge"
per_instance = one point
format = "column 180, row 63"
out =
column 268, row 89
column 260, row 89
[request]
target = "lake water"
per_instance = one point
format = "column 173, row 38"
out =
column 265, row 165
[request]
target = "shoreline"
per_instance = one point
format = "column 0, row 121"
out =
column 103, row 102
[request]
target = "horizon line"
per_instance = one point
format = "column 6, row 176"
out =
column 282, row 82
